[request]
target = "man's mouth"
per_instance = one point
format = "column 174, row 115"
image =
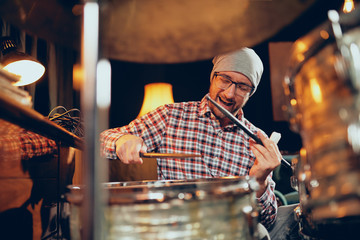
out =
column 225, row 103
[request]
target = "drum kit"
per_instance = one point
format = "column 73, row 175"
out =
column 323, row 90
column 218, row 208
column 322, row 85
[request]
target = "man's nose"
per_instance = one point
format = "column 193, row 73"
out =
column 230, row 91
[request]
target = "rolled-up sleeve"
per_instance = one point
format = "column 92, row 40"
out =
column 150, row 128
column 268, row 205
column 108, row 139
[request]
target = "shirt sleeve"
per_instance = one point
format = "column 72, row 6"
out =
column 149, row 127
column 35, row 145
column 25, row 145
column 268, row 205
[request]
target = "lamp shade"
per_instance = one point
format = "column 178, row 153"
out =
column 156, row 94
column 21, row 64
column 348, row 6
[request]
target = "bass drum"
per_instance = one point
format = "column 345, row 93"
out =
column 322, row 85
column 219, row 208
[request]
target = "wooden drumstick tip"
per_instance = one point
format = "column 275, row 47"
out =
column 275, row 137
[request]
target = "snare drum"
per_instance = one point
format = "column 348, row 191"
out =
column 218, row 208
column 322, row 86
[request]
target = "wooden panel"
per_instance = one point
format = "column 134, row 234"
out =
column 133, row 172
column 29, row 119
column 279, row 53
column 39, row 167
column 14, row 192
column 34, row 171
column 30, row 189
column 119, row 172
column 22, row 212
column 78, row 172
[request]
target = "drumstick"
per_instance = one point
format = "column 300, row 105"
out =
column 236, row 121
column 169, row 155
column 275, row 136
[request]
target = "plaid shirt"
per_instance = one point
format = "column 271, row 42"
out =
column 16, row 143
column 190, row 127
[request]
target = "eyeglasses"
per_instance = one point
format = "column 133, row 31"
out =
column 224, row 82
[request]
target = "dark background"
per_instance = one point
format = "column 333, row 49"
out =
column 191, row 81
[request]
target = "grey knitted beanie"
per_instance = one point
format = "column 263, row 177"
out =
column 244, row 61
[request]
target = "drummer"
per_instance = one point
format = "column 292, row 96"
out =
column 199, row 127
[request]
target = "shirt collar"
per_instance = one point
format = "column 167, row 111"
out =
column 204, row 110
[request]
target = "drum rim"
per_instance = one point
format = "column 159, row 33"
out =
column 168, row 190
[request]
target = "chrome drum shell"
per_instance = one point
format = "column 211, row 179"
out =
column 322, row 88
column 219, row 208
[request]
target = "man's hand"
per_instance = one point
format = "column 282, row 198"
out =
column 128, row 148
column 268, row 157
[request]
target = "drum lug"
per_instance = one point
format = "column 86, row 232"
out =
column 347, row 64
column 252, row 216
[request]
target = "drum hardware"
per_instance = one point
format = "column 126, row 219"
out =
column 353, row 136
column 252, row 216
column 244, row 128
column 347, row 62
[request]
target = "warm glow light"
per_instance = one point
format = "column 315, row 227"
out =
column 29, row 71
column 103, row 84
column 303, row 153
column 324, row 34
column 348, row 6
column 156, row 94
column 293, row 102
column 78, row 77
column 300, row 57
column 301, row 46
column 315, row 90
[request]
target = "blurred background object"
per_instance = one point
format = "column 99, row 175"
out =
column 27, row 67
column 156, row 94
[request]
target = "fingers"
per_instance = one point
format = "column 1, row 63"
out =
column 128, row 149
column 271, row 147
column 268, row 157
column 133, row 150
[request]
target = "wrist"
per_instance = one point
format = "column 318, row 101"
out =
column 262, row 187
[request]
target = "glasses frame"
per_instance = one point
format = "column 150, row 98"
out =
column 237, row 85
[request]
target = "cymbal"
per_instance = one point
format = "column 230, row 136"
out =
column 174, row 31
column 159, row 31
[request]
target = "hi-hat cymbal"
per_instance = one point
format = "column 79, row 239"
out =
column 159, row 31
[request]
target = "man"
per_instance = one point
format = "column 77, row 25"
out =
column 199, row 127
